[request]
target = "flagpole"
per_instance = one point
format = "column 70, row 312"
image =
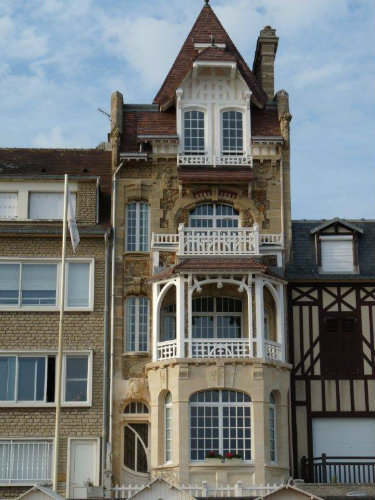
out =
column 60, row 342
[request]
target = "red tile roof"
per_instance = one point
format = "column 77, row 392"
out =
column 206, row 24
column 214, row 53
column 265, row 122
column 44, row 162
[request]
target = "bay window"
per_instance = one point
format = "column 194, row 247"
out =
column 136, row 324
column 220, row 422
column 217, row 317
column 214, row 215
column 29, row 284
column 232, row 132
column 194, row 132
column 137, row 230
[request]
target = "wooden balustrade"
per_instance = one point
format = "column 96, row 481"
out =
column 326, row 469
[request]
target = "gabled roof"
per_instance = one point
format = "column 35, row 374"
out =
column 207, row 24
column 173, row 491
column 337, row 220
column 291, row 491
column 47, row 491
column 214, row 53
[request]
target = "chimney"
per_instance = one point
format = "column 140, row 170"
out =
column 117, row 110
column 264, row 60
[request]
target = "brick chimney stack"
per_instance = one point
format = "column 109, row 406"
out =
column 264, row 60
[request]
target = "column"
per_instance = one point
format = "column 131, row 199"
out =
column 155, row 321
column 180, row 316
column 281, row 320
column 259, row 315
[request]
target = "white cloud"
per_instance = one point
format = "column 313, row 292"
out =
column 51, row 139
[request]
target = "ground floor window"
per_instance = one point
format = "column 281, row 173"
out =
column 220, row 422
column 136, row 447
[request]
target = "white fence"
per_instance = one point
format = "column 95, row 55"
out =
column 215, row 161
column 204, row 490
column 220, row 348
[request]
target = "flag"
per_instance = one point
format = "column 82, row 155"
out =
column 72, row 224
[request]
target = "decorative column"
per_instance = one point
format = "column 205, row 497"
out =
column 259, row 315
column 190, row 315
column 155, row 320
column 281, row 320
column 180, row 316
column 250, row 318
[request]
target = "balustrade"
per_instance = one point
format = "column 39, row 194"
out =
column 272, row 350
column 215, row 161
column 220, row 348
column 167, row 349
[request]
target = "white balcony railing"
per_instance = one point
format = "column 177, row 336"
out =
column 272, row 350
column 244, row 160
column 167, row 349
column 220, row 348
column 25, row 462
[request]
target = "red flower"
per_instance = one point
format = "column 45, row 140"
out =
column 212, row 453
column 228, row 454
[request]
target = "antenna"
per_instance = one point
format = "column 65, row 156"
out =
column 104, row 113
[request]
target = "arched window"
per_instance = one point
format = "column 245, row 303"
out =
column 194, row 132
column 266, row 323
column 272, row 428
column 136, row 447
column 136, row 407
column 220, row 422
column 214, row 215
column 137, row 227
column 232, row 132
column 217, row 317
column 168, row 427
column 168, row 323
column 136, row 324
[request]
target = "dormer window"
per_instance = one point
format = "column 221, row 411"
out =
column 194, row 132
column 232, row 132
column 337, row 254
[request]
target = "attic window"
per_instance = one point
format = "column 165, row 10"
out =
column 337, row 254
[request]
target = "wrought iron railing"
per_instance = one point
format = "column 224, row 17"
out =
column 326, row 469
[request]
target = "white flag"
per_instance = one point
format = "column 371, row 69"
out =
column 72, row 224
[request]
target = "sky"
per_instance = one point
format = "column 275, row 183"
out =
column 60, row 60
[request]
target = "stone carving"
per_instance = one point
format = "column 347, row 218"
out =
column 259, row 197
column 164, row 378
column 136, row 388
column 137, row 172
column 230, row 371
column 115, row 136
column 257, row 373
column 215, row 376
column 136, row 267
column 285, row 126
column 182, row 217
column 169, row 475
column 183, row 372
column 133, row 368
column 166, row 203
column 247, row 218
column 167, row 259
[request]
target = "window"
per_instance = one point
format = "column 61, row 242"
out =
column 136, row 326
column 44, row 205
column 220, row 421
column 34, row 285
column 232, row 132
column 341, row 345
column 272, row 427
column 137, row 227
column 194, row 132
column 336, row 254
column 8, row 205
column 214, row 215
column 168, row 427
column 26, row 379
column 136, row 407
column 168, row 323
column 136, row 447
column 25, row 461
column 217, row 317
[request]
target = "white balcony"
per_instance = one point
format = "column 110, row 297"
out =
column 272, row 350
column 188, row 160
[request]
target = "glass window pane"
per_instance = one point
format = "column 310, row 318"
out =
column 76, row 375
column 9, row 284
column 38, row 284
column 7, row 378
column 131, row 227
column 143, row 324
column 130, row 324
column 143, row 227
column 129, row 448
column 31, row 377
column 78, row 284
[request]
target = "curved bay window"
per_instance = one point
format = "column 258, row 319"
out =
column 232, row 132
column 214, row 215
column 194, row 132
column 217, row 317
column 220, row 422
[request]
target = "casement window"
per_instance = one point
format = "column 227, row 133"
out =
column 341, row 350
column 337, row 254
column 136, row 437
column 214, row 215
column 194, row 132
column 217, row 317
column 8, row 205
column 168, row 323
column 136, row 324
column 232, row 132
column 34, row 285
column 47, row 206
column 137, row 227
column 168, row 428
column 220, row 421
column 25, row 461
column 272, row 428
column 30, row 379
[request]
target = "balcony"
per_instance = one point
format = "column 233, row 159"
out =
column 189, row 242
column 326, row 469
column 197, row 160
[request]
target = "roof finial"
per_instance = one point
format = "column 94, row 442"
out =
column 212, row 38
column 206, row 2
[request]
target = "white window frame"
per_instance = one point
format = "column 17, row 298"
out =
column 28, row 440
column 46, row 353
column 14, row 216
column 234, row 152
column 74, row 202
column 215, row 315
column 272, row 409
column 220, row 405
column 19, row 307
column 136, row 326
column 215, row 217
column 168, row 420
column 200, row 152
column 333, row 239
column 137, row 232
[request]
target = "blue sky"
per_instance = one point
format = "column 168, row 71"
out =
column 61, row 59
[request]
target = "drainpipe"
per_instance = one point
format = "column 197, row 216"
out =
column 105, row 362
column 282, row 200
column 112, row 342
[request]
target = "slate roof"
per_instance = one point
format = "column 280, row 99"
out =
column 206, row 24
column 214, row 53
column 47, row 162
column 303, row 262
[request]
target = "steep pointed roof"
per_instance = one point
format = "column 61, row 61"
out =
column 214, row 53
column 206, row 24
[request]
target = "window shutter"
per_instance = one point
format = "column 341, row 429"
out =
column 47, row 205
column 8, row 205
column 337, row 255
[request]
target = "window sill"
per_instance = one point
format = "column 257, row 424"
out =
column 28, row 482
column 205, row 463
column 140, row 354
column 137, row 253
column 40, row 404
column 44, row 309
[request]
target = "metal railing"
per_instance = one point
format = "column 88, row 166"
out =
column 232, row 160
column 338, row 469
